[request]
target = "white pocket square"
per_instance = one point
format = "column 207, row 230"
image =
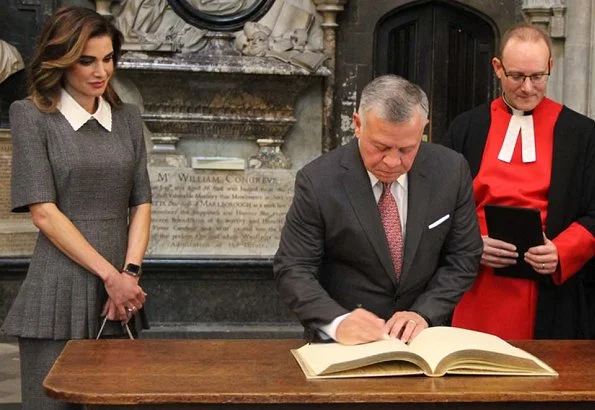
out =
column 439, row 221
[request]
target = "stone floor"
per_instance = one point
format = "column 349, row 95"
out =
column 10, row 378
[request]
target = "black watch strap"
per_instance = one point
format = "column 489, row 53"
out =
column 132, row 270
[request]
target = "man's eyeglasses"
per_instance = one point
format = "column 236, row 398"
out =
column 519, row 78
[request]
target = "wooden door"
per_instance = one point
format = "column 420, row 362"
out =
column 444, row 47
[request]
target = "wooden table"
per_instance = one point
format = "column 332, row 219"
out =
column 262, row 374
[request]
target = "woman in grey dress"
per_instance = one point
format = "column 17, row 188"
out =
column 79, row 168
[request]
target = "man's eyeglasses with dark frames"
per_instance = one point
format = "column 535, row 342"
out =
column 519, row 78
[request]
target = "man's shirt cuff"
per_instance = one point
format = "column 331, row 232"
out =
column 330, row 330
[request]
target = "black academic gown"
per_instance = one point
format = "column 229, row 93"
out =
column 566, row 311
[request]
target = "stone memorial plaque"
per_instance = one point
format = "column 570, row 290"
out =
column 17, row 232
column 5, row 164
column 218, row 213
column 17, row 237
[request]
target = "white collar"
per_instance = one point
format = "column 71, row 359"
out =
column 513, row 110
column 77, row 116
column 402, row 180
column 520, row 123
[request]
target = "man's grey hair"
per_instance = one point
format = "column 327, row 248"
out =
column 393, row 99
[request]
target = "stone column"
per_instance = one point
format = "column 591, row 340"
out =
column 591, row 68
column 329, row 10
column 550, row 16
column 578, row 56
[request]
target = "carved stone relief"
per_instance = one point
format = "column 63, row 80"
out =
column 238, row 99
column 549, row 14
column 151, row 25
column 293, row 35
column 162, row 45
column 10, row 60
column 290, row 31
column 222, row 7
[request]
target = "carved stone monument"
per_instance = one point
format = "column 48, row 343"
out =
column 237, row 91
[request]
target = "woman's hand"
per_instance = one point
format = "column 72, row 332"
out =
column 125, row 296
column 110, row 310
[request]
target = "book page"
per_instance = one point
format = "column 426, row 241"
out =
column 471, row 349
column 475, row 361
column 327, row 358
column 391, row 368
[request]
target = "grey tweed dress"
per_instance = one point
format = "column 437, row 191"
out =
column 93, row 176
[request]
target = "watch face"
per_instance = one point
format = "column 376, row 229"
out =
column 132, row 268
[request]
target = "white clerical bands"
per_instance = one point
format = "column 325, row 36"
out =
column 523, row 125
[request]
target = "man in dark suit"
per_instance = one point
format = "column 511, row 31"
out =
column 381, row 238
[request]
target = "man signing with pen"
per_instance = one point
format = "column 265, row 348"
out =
column 381, row 239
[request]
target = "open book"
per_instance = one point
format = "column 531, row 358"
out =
column 434, row 352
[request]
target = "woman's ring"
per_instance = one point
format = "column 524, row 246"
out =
column 412, row 321
column 543, row 266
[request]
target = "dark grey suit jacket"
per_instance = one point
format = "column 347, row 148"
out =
column 333, row 254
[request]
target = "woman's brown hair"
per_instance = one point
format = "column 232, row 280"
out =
column 60, row 46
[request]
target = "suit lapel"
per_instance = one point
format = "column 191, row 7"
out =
column 357, row 187
column 419, row 192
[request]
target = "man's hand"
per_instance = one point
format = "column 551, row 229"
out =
column 497, row 253
column 543, row 258
column 360, row 326
column 405, row 326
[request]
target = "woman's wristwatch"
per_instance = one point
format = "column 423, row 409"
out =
column 132, row 270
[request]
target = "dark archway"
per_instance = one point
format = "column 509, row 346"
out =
column 444, row 47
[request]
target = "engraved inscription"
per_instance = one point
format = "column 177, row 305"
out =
column 5, row 164
column 17, row 232
column 17, row 237
column 227, row 213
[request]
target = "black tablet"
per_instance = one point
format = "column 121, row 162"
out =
column 519, row 226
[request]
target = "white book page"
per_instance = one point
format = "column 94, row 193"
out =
column 435, row 343
column 322, row 355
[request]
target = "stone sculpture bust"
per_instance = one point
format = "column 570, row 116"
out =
column 10, row 60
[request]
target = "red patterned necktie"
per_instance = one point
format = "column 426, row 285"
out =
column 389, row 214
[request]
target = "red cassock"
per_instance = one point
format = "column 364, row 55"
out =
column 500, row 305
